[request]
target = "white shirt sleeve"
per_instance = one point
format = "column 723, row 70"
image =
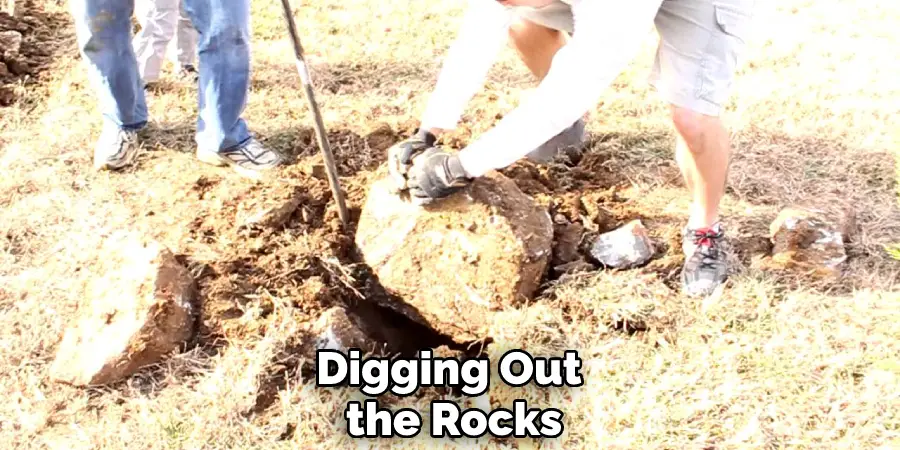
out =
column 483, row 34
column 607, row 36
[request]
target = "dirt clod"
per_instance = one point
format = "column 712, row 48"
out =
column 626, row 247
column 25, row 43
column 567, row 241
column 274, row 211
column 454, row 263
column 141, row 308
column 808, row 240
column 10, row 42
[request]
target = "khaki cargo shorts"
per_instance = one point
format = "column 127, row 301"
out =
column 699, row 49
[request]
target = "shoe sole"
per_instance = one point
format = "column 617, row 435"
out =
column 706, row 294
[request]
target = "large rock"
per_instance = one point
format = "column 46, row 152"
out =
column 808, row 240
column 454, row 263
column 141, row 307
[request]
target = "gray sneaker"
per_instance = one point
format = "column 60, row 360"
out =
column 570, row 138
column 116, row 148
column 705, row 266
column 248, row 159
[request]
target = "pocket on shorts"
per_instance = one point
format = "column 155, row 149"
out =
column 733, row 20
column 724, row 50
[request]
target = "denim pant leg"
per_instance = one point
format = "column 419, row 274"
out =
column 103, row 28
column 224, row 54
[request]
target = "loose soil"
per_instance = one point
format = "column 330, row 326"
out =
column 24, row 67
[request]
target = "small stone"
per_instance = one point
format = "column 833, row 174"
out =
column 446, row 274
column 142, row 308
column 10, row 43
column 7, row 96
column 4, row 72
column 335, row 330
column 623, row 248
column 808, row 240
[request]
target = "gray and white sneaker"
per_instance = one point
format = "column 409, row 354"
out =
column 116, row 148
column 571, row 138
column 705, row 265
column 249, row 158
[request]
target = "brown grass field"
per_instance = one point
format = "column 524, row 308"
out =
column 776, row 361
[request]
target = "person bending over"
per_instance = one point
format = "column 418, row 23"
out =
column 576, row 48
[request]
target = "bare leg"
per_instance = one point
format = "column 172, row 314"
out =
column 702, row 151
column 536, row 45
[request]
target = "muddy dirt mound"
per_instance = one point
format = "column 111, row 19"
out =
column 25, row 48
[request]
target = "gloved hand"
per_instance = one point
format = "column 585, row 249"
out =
column 436, row 174
column 400, row 156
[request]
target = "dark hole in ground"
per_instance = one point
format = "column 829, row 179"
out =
column 629, row 327
column 364, row 300
column 288, row 432
column 395, row 325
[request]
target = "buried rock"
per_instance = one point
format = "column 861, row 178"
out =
column 624, row 248
column 807, row 239
column 336, row 330
column 141, row 308
column 452, row 264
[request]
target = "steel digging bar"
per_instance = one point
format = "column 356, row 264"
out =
column 321, row 137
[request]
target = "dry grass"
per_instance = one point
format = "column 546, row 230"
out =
column 774, row 362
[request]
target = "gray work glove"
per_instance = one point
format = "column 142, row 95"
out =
column 436, row 174
column 400, row 156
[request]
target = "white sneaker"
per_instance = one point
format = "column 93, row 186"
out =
column 249, row 159
column 116, row 148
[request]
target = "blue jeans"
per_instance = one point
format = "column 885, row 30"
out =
column 104, row 37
